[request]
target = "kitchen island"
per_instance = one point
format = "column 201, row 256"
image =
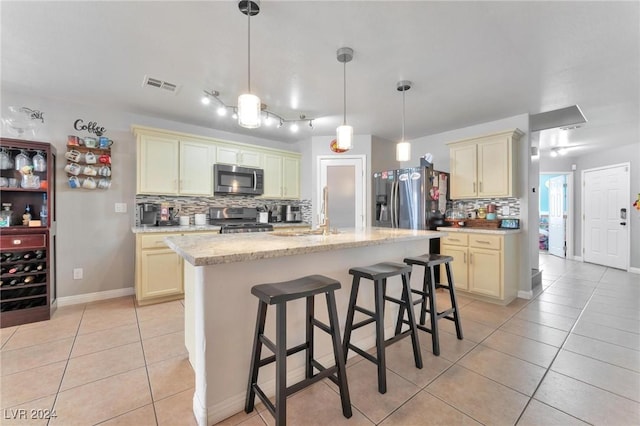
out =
column 220, row 312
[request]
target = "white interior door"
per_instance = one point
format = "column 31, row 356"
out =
column 605, row 207
column 557, row 208
column 345, row 179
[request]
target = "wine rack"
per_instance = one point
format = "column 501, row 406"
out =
column 27, row 252
column 24, row 289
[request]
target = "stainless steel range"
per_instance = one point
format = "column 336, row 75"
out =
column 237, row 219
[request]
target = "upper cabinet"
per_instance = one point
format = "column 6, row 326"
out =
column 157, row 166
column 239, row 157
column 171, row 163
column 196, row 168
column 281, row 176
column 171, row 166
column 484, row 167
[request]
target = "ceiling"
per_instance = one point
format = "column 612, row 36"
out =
column 470, row 62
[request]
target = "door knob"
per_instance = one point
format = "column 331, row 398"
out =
column 623, row 223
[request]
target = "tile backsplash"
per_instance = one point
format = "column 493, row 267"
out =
column 188, row 206
column 513, row 205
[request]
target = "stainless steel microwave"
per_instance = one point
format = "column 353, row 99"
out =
column 236, row 180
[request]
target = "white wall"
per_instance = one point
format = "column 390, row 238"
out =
column 90, row 235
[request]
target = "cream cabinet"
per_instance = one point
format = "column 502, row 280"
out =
column 158, row 169
column 281, row 176
column 238, row 156
column 172, row 163
column 484, row 167
column 456, row 246
column 484, row 265
column 159, row 269
column 196, row 168
column 291, row 177
column 170, row 166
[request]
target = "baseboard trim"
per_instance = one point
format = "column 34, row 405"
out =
column 577, row 258
column 93, row 297
column 528, row 294
column 634, row 270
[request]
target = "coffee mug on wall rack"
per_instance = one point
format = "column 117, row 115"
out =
column 90, row 142
column 104, row 142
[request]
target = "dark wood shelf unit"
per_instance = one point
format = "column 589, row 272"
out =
column 33, row 301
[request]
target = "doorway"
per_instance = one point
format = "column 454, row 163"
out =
column 605, row 205
column 555, row 234
column 344, row 178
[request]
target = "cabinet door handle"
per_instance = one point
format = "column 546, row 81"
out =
column 17, row 242
column 474, row 187
column 483, row 241
column 453, row 239
column 465, row 258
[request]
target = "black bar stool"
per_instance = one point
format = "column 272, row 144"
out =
column 379, row 273
column 427, row 298
column 279, row 294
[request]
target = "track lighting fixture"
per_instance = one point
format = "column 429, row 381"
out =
column 267, row 117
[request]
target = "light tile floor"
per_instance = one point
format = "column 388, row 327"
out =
column 570, row 356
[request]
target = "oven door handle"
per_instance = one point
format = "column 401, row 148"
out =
column 255, row 180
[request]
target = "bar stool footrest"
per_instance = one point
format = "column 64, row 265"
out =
column 268, row 360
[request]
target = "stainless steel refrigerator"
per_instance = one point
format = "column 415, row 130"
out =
column 411, row 198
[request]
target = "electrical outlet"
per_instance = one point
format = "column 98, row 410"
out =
column 121, row 207
column 78, row 273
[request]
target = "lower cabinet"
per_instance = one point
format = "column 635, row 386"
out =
column 484, row 265
column 27, row 282
column 159, row 276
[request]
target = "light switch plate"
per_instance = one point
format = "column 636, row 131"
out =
column 505, row 210
column 121, row 207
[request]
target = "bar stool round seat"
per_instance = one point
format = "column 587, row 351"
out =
column 427, row 300
column 379, row 273
column 278, row 294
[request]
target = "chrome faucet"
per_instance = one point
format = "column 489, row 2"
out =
column 324, row 211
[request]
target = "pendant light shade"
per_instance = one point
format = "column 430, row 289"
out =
column 403, row 151
column 249, row 111
column 344, row 133
column 344, row 138
column 403, row 148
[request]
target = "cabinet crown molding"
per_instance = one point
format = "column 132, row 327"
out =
column 515, row 134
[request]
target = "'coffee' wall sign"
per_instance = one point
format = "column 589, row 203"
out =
column 91, row 127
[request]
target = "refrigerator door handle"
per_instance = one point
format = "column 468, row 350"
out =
column 393, row 204
column 397, row 204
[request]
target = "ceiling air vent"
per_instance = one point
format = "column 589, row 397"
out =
column 160, row 84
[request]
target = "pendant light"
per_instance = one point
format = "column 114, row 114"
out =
column 249, row 108
column 345, row 133
column 403, row 148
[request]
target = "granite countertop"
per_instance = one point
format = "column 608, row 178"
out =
column 169, row 229
column 201, row 250
column 480, row 230
column 204, row 228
